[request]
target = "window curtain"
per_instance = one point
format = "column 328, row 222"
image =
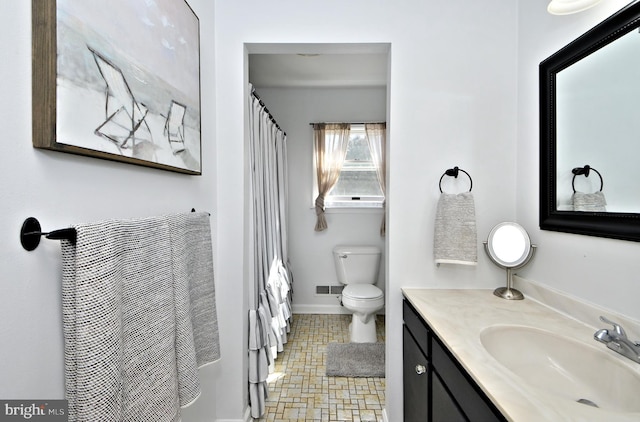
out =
column 330, row 142
column 376, row 134
column 270, row 288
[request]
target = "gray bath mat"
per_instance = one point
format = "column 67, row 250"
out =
column 355, row 359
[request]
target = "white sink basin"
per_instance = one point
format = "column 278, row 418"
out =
column 565, row 368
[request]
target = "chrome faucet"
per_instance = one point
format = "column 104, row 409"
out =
column 617, row 340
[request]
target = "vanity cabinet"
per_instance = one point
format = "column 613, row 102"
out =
column 416, row 379
column 436, row 387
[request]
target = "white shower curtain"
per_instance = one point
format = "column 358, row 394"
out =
column 270, row 289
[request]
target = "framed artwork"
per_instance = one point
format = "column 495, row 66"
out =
column 118, row 80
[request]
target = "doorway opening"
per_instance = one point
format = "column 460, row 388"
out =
column 302, row 84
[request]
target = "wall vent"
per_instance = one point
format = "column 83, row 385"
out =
column 322, row 290
column 329, row 290
column 337, row 290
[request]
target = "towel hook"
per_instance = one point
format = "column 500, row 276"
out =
column 578, row 171
column 454, row 173
column 31, row 232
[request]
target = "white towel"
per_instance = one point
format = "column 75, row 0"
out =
column 455, row 237
column 130, row 352
column 589, row 201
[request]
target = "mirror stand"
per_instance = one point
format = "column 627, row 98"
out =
column 509, row 247
column 509, row 292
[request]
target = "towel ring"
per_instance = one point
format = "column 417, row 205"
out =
column 454, row 173
column 584, row 171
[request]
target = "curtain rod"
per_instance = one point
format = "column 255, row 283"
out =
column 351, row 123
column 266, row 110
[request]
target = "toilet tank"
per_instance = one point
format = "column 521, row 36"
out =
column 357, row 264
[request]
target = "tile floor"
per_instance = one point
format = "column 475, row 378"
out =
column 299, row 390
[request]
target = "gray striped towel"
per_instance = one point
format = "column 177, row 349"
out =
column 455, row 235
column 139, row 317
column 589, row 201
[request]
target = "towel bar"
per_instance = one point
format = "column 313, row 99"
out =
column 31, row 232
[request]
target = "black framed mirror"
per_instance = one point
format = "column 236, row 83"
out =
column 590, row 121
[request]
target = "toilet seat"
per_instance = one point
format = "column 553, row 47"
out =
column 361, row 291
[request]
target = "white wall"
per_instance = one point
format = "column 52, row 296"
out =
column 463, row 91
column 62, row 189
column 452, row 101
column 310, row 251
column 602, row 271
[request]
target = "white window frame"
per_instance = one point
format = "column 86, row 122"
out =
column 343, row 201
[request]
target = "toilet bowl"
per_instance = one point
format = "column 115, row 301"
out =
column 357, row 268
column 363, row 300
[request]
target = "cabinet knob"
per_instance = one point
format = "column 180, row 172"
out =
column 420, row 369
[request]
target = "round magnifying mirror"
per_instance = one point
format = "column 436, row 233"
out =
column 509, row 247
column 508, row 244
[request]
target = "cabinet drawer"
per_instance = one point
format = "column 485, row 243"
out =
column 469, row 396
column 416, row 326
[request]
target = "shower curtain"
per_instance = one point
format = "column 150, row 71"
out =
column 270, row 287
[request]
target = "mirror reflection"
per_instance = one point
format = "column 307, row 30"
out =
column 598, row 125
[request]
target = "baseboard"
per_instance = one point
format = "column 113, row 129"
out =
column 246, row 417
column 319, row 309
column 323, row 309
column 385, row 418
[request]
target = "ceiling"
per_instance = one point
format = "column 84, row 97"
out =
column 318, row 70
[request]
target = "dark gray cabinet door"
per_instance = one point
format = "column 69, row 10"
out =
column 416, row 380
column 443, row 407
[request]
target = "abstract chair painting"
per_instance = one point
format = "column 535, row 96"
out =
column 119, row 80
column 123, row 114
column 174, row 126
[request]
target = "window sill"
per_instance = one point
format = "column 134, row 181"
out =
column 353, row 210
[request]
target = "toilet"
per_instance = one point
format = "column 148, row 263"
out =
column 357, row 268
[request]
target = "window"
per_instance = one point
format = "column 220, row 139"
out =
column 358, row 185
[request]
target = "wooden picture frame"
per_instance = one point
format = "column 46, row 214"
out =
column 118, row 80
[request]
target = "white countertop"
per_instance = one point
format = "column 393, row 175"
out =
column 459, row 316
